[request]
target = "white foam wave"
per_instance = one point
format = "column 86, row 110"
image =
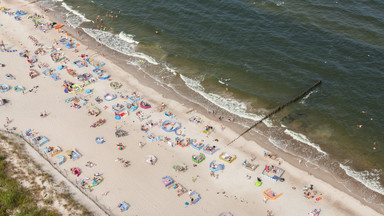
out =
column 302, row 101
column 227, row 104
column 268, row 123
column 74, row 18
column 370, row 179
column 173, row 71
column 123, row 43
column 127, row 37
column 302, row 138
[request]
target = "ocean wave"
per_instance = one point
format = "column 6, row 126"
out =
column 122, row 43
column 302, row 101
column 127, row 37
column 76, row 19
column 370, row 179
column 302, row 138
column 228, row 104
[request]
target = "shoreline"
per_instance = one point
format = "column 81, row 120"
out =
column 260, row 139
column 164, row 92
column 319, row 162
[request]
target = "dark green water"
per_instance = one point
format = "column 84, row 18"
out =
column 271, row 50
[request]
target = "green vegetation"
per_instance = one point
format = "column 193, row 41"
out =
column 14, row 199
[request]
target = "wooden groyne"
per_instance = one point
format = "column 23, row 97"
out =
column 278, row 109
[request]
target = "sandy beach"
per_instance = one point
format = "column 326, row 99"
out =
column 67, row 124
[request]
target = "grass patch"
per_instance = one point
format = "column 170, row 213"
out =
column 14, row 199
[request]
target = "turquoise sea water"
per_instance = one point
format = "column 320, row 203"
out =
column 271, row 50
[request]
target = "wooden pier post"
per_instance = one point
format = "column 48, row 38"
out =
column 278, row 109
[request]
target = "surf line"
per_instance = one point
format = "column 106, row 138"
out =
column 278, row 109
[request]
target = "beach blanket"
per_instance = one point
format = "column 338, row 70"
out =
column 90, row 81
column 74, row 89
column 4, row 87
column 84, row 77
column 124, row 96
column 76, row 100
column 54, row 150
column 170, row 126
column 9, row 76
column 210, row 149
column 61, row 159
column 227, row 157
column 169, row 114
column 121, row 133
column 135, row 98
column 272, row 172
column 179, row 167
column 73, row 154
column 123, row 206
column 40, row 140
column 141, row 115
column 109, row 97
column 269, row 194
column 167, row 181
column 118, row 108
column 80, row 63
column 95, row 181
column 30, row 133
column 94, row 111
column 104, row 76
column 72, row 72
column 152, row 137
column 249, row 165
column 132, row 107
column 195, row 196
column 181, row 142
column 196, row 145
column 94, row 63
column 19, row 88
column 33, row 73
column 115, row 85
column 145, row 105
column 98, row 123
column 214, row 167
column 49, row 72
column 195, row 120
column 198, row 158
column 99, row 140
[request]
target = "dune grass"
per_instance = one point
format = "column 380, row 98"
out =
column 15, row 199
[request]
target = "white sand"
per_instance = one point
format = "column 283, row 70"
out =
column 140, row 184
